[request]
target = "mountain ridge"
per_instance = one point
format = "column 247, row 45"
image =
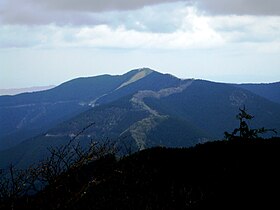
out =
column 39, row 111
column 142, row 108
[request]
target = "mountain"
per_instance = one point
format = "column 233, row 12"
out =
column 213, row 106
column 157, row 109
column 26, row 115
column 269, row 91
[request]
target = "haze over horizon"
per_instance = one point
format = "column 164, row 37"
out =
column 15, row 91
column 49, row 42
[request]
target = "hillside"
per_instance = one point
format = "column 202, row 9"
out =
column 270, row 91
column 169, row 112
column 26, row 115
column 219, row 175
column 212, row 107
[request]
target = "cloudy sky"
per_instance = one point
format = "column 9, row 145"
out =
column 46, row 42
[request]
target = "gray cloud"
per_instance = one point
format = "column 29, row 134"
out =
column 65, row 11
column 97, row 5
column 253, row 7
column 77, row 12
column 240, row 7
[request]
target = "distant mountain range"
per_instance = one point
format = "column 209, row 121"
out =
column 140, row 109
column 15, row 91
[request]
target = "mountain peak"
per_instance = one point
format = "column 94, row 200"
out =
column 146, row 70
column 139, row 74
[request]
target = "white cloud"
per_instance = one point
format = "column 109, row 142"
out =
column 163, row 36
column 197, row 34
column 185, row 28
column 247, row 28
column 163, row 26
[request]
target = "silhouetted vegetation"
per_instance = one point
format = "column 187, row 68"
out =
column 244, row 131
column 243, row 173
column 222, row 174
column 18, row 187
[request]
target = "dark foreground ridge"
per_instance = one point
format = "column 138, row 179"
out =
column 223, row 174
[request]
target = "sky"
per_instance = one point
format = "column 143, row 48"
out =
column 47, row 42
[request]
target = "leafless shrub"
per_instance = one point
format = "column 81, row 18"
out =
column 15, row 183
